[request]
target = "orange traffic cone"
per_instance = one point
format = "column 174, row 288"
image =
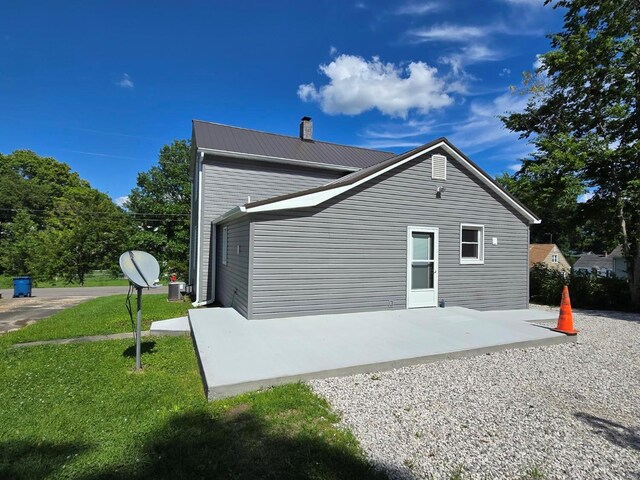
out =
column 565, row 319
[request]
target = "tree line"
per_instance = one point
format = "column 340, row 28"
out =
column 54, row 225
column 583, row 121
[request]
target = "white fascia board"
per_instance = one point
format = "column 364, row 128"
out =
column 287, row 161
column 235, row 212
column 309, row 200
column 491, row 185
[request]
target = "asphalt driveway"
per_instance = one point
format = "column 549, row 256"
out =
column 18, row 312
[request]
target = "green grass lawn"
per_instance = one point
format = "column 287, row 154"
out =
column 100, row 316
column 80, row 411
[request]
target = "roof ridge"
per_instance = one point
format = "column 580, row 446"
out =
column 293, row 137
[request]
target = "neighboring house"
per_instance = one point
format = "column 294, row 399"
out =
column 550, row 255
column 285, row 226
column 604, row 265
column 620, row 267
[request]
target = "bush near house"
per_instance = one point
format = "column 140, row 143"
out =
column 587, row 290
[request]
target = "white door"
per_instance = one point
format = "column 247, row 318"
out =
column 422, row 267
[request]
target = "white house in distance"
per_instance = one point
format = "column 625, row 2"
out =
column 287, row 226
column 605, row 265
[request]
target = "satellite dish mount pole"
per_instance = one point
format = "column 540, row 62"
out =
column 139, row 330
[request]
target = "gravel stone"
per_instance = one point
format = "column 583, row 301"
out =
column 568, row 411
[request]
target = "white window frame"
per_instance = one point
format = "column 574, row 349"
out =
column 554, row 258
column 225, row 244
column 480, row 259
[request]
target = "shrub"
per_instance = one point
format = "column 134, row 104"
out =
column 588, row 290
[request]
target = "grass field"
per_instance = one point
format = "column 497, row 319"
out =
column 90, row 281
column 100, row 316
column 79, row 411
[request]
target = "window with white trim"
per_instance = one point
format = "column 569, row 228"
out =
column 225, row 242
column 471, row 243
column 554, row 258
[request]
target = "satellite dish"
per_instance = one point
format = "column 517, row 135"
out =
column 140, row 268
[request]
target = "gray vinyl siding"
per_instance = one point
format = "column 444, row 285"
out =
column 232, row 278
column 228, row 182
column 350, row 253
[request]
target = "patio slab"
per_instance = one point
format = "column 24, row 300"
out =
column 238, row 355
column 172, row 326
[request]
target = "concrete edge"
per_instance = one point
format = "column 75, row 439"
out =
column 222, row 391
column 170, row 333
column 203, row 376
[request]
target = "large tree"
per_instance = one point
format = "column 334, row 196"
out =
column 584, row 109
column 84, row 231
column 53, row 223
column 160, row 205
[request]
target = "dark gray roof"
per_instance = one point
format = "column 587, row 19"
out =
column 589, row 261
column 239, row 140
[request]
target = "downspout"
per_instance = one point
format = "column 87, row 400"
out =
column 197, row 301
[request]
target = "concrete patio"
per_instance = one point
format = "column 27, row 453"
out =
column 237, row 355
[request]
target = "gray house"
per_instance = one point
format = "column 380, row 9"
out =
column 285, row 226
column 605, row 265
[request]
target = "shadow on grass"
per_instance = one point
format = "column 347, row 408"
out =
column 625, row 437
column 35, row 460
column 238, row 445
column 145, row 347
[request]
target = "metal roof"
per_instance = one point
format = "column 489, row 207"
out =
column 214, row 136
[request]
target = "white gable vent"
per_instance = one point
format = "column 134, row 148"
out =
column 438, row 167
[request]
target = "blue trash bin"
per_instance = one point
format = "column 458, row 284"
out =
column 21, row 287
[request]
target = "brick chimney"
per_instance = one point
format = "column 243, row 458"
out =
column 306, row 129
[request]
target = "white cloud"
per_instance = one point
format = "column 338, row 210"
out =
column 121, row 201
column 417, row 8
column 357, row 85
column 482, row 128
column 469, row 55
column 125, row 81
column 450, row 33
column 332, row 51
column 514, row 167
column 410, row 128
column 530, row 3
column 506, row 72
column 539, row 63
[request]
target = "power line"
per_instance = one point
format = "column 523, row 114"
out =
column 144, row 214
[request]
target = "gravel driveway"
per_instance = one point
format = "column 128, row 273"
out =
column 567, row 411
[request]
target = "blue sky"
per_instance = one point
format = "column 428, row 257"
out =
column 102, row 85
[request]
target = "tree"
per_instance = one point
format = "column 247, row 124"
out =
column 583, row 112
column 84, row 231
column 53, row 223
column 20, row 245
column 160, row 205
